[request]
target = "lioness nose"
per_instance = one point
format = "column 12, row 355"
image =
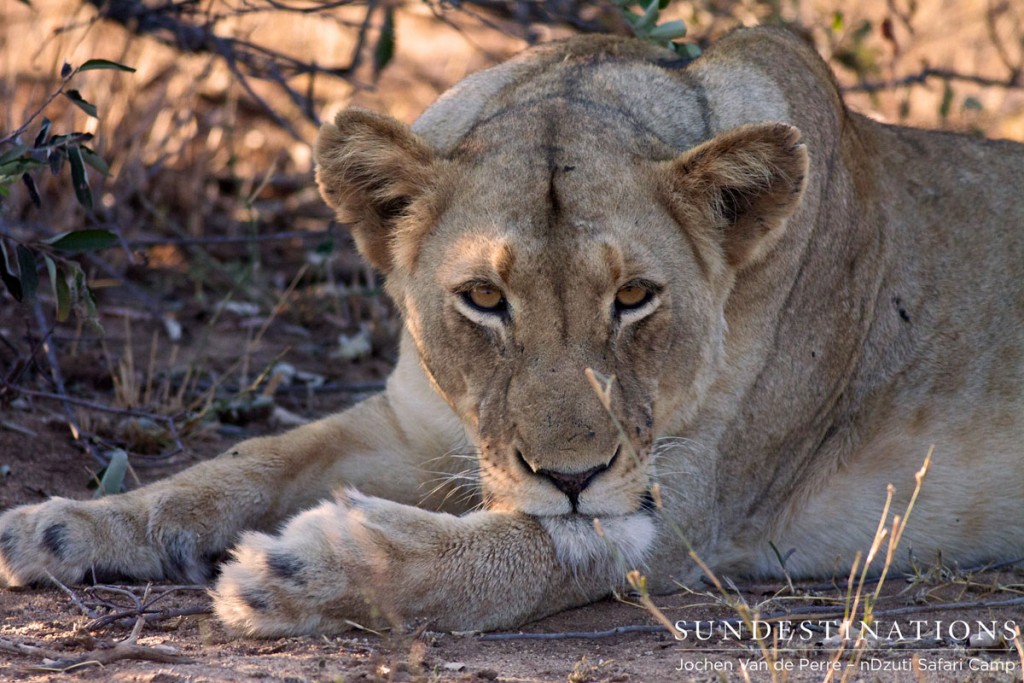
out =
column 572, row 484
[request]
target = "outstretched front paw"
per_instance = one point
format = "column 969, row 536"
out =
column 44, row 540
column 72, row 540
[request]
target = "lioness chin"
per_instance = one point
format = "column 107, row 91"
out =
column 791, row 304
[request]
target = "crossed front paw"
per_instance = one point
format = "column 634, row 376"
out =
column 355, row 560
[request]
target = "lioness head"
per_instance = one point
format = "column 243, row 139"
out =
column 553, row 236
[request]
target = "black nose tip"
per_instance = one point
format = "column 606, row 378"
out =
column 572, row 484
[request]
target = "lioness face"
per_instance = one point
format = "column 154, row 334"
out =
column 540, row 269
column 535, row 251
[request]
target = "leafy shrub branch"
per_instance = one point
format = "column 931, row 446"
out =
column 20, row 263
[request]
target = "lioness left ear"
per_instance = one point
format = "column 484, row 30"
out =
column 743, row 183
column 370, row 168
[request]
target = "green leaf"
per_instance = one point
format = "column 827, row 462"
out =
column 66, row 71
column 69, row 139
column 96, row 64
column 56, row 159
column 112, row 478
column 325, row 248
column 78, row 241
column 384, row 50
column 837, row 22
column 60, row 289
column 863, row 31
column 51, row 270
column 81, row 299
column 947, row 101
column 688, row 50
column 16, row 167
column 972, row 103
column 33, row 191
column 44, row 130
column 13, row 153
column 95, row 160
column 79, row 180
column 27, row 266
column 10, row 279
column 648, row 20
column 27, row 3
column 79, row 101
column 668, row 31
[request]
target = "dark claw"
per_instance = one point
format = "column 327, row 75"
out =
column 257, row 600
column 181, row 560
column 55, row 539
column 286, row 567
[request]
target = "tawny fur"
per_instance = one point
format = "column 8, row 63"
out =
column 829, row 297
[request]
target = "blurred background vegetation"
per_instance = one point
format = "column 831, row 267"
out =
column 211, row 295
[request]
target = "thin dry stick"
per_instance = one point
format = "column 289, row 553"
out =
column 168, row 420
column 1018, row 643
column 71, row 594
column 925, row 74
column 144, row 606
column 16, row 648
column 894, row 538
column 229, row 239
column 639, row 583
column 125, row 649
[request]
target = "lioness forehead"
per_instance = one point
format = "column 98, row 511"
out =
column 677, row 107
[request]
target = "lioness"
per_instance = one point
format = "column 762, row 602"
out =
column 794, row 301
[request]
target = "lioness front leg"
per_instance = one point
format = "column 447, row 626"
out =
column 174, row 528
column 371, row 561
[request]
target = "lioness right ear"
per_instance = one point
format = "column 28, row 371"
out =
column 743, row 184
column 370, row 168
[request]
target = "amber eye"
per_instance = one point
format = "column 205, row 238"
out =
column 631, row 297
column 485, row 298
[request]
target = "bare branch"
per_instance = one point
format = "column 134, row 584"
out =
column 1014, row 82
column 179, row 25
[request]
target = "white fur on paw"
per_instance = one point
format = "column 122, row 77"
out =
column 298, row 582
column 251, row 596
